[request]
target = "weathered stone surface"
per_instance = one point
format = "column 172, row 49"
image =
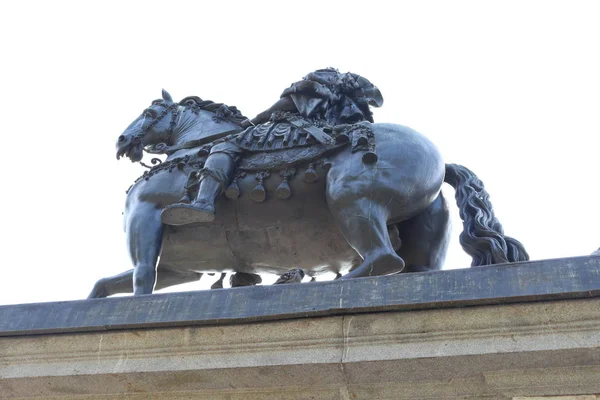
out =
column 487, row 352
column 500, row 351
column 577, row 277
column 584, row 397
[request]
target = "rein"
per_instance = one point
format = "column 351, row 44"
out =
column 175, row 109
column 198, row 142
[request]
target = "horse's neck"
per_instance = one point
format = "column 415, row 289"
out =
column 193, row 127
column 182, row 153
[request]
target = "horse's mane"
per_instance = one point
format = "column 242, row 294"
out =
column 222, row 111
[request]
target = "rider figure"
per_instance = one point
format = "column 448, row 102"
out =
column 324, row 94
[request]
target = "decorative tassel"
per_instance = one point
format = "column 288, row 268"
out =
column 262, row 132
column 369, row 157
column 259, row 194
column 361, row 141
column 283, row 191
column 342, row 138
column 233, row 190
column 310, row 175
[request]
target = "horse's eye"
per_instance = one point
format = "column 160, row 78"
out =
column 156, row 102
column 149, row 113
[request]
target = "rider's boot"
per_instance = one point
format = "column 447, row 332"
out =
column 216, row 173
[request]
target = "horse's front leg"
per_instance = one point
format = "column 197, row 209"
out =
column 121, row 283
column 144, row 232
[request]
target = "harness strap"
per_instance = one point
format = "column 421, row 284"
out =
column 315, row 132
column 199, row 142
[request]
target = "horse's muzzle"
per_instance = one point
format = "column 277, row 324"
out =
column 122, row 146
column 125, row 148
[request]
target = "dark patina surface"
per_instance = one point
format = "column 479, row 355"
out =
column 311, row 183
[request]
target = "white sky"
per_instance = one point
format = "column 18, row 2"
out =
column 510, row 89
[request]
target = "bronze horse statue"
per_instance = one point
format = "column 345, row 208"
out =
column 337, row 212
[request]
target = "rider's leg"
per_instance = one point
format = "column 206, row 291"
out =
column 215, row 176
column 217, row 173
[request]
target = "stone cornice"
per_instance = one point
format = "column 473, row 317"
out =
column 567, row 278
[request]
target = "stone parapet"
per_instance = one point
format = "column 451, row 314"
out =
column 508, row 331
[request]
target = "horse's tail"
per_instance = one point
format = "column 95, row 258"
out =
column 482, row 237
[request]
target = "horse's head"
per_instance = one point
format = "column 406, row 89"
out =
column 154, row 125
column 166, row 126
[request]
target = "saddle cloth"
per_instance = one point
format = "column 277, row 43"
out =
column 284, row 143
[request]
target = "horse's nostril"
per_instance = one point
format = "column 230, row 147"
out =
column 121, row 138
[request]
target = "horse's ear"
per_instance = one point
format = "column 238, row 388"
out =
column 166, row 96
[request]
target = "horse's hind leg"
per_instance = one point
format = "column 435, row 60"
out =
column 364, row 225
column 123, row 282
column 425, row 238
column 144, row 232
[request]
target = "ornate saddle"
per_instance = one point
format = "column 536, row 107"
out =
column 284, row 131
column 288, row 140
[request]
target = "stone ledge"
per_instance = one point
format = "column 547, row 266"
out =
column 534, row 331
column 583, row 397
column 567, row 278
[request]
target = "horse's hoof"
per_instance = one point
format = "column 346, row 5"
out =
column 382, row 264
column 99, row 291
column 96, row 295
column 183, row 214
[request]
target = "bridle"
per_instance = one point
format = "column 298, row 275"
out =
column 174, row 108
column 162, row 148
